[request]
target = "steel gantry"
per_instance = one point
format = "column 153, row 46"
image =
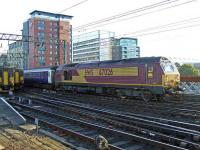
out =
column 13, row 37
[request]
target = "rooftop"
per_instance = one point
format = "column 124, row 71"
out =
column 56, row 15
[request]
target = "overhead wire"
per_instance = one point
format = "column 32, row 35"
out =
column 139, row 15
column 157, row 6
column 152, row 6
column 169, row 25
column 163, row 26
column 75, row 5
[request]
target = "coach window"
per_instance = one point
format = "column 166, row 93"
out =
column 150, row 72
column 67, row 75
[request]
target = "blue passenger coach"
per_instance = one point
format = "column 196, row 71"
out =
column 38, row 77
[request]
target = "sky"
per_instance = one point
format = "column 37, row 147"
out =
column 179, row 40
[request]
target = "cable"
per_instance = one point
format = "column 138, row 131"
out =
column 178, row 23
column 73, row 6
column 195, row 25
column 157, row 27
column 166, row 2
column 125, row 19
column 191, row 20
column 173, row 24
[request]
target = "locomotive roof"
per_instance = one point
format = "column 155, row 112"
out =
column 142, row 60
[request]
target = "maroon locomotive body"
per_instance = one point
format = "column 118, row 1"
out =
column 146, row 77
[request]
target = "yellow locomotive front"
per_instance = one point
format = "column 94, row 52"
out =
column 18, row 78
column 171, row 76
column 6, row 79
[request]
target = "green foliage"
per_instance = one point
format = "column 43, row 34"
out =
column 189, row 70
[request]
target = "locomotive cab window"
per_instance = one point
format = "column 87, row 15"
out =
column 67, row 75
column 150, row 72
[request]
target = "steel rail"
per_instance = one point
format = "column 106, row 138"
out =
column 60, row 102
column 136, row 128
column 111, row 131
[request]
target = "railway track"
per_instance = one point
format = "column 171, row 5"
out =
column 164, row 133
column 180, row 110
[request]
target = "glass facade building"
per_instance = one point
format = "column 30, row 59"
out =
column 93, row 46
column 125, row 48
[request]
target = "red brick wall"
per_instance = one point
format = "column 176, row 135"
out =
column 64, row 35
column 62, row 32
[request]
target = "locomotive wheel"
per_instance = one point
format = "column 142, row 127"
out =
column 146, row 96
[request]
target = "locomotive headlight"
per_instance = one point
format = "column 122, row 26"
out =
column 177, row 78
column 165, row 83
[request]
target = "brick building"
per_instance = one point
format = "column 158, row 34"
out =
column 49, row 42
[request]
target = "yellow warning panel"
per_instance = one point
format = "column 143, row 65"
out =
column 5, row 77
column 16, row 77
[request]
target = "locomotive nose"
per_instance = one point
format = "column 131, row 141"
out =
column 172, row 80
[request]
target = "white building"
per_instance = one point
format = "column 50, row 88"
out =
column 93, row 46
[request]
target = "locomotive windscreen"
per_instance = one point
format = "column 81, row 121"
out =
column 168, row 67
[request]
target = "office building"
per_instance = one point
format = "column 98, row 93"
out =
column 47, row 39
column 15, row 55
column 125, row 48
column 93, row 46
column 3, row 60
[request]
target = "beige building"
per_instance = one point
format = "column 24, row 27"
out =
column 15, row 55
column 3, row 60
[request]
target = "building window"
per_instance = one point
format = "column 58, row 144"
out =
column 50, row 35
column 41, row 47
column 41, row 25
column 41, row 37
column 55, row 24
column 125, row 52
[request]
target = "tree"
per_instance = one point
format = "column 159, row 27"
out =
column 189, row 70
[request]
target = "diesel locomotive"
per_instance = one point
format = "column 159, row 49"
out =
column 147, row 77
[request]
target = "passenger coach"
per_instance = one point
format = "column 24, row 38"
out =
column 42, row 77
